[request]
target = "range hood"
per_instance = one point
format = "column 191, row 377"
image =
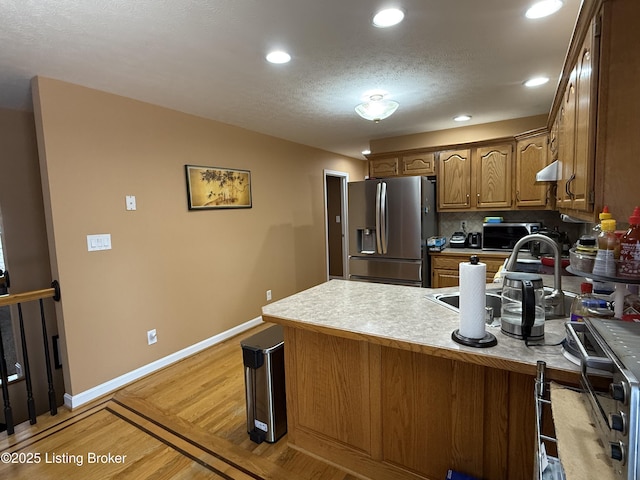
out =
column 548, row 173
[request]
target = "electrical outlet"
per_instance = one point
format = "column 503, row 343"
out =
column 268, row 295
column 463, row 225
column 152, row 337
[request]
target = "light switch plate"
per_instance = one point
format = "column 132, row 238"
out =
column 130, row 202
column 101, row 241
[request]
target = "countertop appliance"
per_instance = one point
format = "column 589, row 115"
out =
column 608, row 350
column 390, row 220
column 474, row 240
column 458, row 240
column 504, row 236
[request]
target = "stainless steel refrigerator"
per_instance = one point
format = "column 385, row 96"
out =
column 389, row 222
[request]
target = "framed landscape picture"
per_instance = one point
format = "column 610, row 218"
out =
column 215, row 187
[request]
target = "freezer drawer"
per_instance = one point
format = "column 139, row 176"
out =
column 406, row 272
column 263, row 358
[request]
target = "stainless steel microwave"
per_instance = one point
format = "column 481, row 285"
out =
column 504, row 236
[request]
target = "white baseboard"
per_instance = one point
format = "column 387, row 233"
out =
column 75, row 401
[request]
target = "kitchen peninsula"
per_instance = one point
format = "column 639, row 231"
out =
column 376, row 385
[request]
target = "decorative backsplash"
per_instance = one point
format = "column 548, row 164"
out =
column 449, row 222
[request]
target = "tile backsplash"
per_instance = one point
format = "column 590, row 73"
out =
column 449, row 222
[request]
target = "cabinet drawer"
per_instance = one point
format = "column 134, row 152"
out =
column 452, row 262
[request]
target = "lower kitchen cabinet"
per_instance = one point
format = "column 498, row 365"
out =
column 390, row 413
column 445, row 266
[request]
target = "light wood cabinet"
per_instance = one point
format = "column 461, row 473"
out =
column 532, row 155
column 383, row 167
column 491, row 171
column 445, row 267
column 576, row 132
column 395, row 412
column 454, row 180
column 419, row 164
column 478, row 178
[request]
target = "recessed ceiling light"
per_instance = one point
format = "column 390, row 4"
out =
column 366, row 152
column 278, row 56
column 543, row 8
column 462, row 118
column 535, row 82
column 388, row 17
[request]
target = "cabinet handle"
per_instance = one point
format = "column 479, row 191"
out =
column 568, row 185
column 468, row 201
column 518, row 196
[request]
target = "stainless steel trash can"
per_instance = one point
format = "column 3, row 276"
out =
column 263, row 358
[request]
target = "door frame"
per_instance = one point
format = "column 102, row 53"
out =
column 344, row 179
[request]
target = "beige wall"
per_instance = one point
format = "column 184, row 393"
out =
column 25, row 244
column 188, row 274
column 453, row 136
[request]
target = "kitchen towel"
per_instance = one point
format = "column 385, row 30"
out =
column 473, row 282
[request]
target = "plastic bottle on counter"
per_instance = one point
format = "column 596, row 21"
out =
column 588, row 305
column 629, row 266
column 608, row 250
column 604, row 215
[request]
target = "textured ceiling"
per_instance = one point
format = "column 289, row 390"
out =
column 206, row 57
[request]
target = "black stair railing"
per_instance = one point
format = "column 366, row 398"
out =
column 18, row 299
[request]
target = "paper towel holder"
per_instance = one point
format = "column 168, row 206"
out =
column 489, row 340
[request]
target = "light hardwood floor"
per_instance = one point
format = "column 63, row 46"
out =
column 186, row 421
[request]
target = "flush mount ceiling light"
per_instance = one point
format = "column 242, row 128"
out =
column 388, row 17
column 462, row 118
column 536, row 82
column 278, row 56
column 366, row 152
column 543, row 8
column 377, row 108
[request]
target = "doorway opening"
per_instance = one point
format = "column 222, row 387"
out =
column 335, row 222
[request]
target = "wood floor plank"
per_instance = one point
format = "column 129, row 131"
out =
column 185, row 421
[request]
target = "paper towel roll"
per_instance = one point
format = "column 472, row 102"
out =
column 473, row 282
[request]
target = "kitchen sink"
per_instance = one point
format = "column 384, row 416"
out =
column 494, row 300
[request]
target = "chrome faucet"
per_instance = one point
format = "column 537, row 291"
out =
column 555, row 300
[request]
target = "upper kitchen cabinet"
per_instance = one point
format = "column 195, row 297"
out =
column 532, row 155
column 403, row 164
column 454, row 180
column 491, row 170
column 478, row 178
column 383, row 167
column 576, row 146
column 419, row 164
column 595, row 112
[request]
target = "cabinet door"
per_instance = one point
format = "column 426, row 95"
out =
column 531, row 157
column 422, row 164
column 583, row 168
column 383, row 167
column 566, row 142
column 492, row 174
column 454, row 180
column 445, row 278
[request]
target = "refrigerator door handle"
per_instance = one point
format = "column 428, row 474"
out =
column 384, row 221
column 378, row 241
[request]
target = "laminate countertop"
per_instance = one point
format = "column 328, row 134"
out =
column 406, row 318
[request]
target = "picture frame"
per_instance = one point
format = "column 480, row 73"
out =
column 217, row 188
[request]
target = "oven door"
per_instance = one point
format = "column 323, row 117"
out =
column 597, row 374
column 613, row 393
